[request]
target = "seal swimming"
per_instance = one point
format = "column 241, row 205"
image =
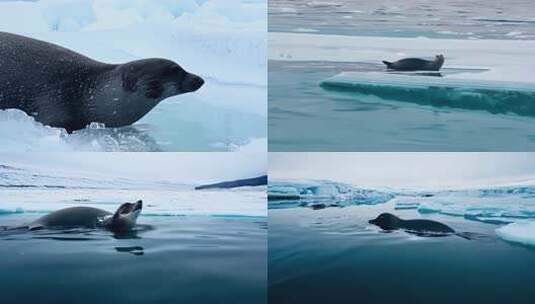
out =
column 123, row 220
column 62, row 88
column 416, row 64
column 389, row 222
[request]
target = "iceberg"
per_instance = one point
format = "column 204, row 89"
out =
column 321, row 194
column 523, row 233
column 496, row 97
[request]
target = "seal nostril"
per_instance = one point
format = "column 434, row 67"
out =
column 199, row 82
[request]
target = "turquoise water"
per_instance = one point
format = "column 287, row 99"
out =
column 305, row 117
column 333, row 255
column 171, row 259
column 194, row 126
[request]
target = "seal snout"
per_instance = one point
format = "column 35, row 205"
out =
column 192, row 83
column 139, row 205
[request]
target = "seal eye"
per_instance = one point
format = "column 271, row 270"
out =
column 154, row 89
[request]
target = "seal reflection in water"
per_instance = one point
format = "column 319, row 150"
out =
column 62, row 88
column 122, row 221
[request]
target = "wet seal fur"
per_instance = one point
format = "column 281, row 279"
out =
column 390, row 222
column 61, row 88
column 122, row 221
column 416, row 64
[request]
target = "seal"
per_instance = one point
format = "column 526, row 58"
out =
column 62, row 88
column 123, row 220
column 416, row 64
column 389, row 222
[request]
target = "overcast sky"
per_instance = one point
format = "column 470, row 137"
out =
column 188, row 168
column 406, row 170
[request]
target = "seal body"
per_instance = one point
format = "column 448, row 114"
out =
column 62, row 88
column 85, row 217
column 124, row 219
column 388, row 222
column 416, row 64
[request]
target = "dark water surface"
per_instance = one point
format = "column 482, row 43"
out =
column 168, row 260
column 334, row 256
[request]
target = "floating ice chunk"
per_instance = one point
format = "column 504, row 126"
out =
column 480, row 211
column 523, row 233
column 494, row 220
column 406, row 205
column 486, row 95
column 277, row 192
column 30, row 135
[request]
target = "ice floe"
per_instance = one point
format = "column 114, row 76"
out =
column 523, row 233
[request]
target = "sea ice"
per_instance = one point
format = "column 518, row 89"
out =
column 502, row 60
column 523, row 233
column 313, row 193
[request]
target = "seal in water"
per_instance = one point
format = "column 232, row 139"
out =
column 416, row 64
column 61, row 88
column 389, row 222
column 123, row 220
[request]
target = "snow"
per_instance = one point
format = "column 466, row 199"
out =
column 156, row 202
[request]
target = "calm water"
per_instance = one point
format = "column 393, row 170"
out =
column 337, row 252
column 167, row 260
column 495, row 19
column 305, row 117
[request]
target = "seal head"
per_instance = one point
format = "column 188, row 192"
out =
column 124, row 219
column 386, row 221
column 131, row 90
